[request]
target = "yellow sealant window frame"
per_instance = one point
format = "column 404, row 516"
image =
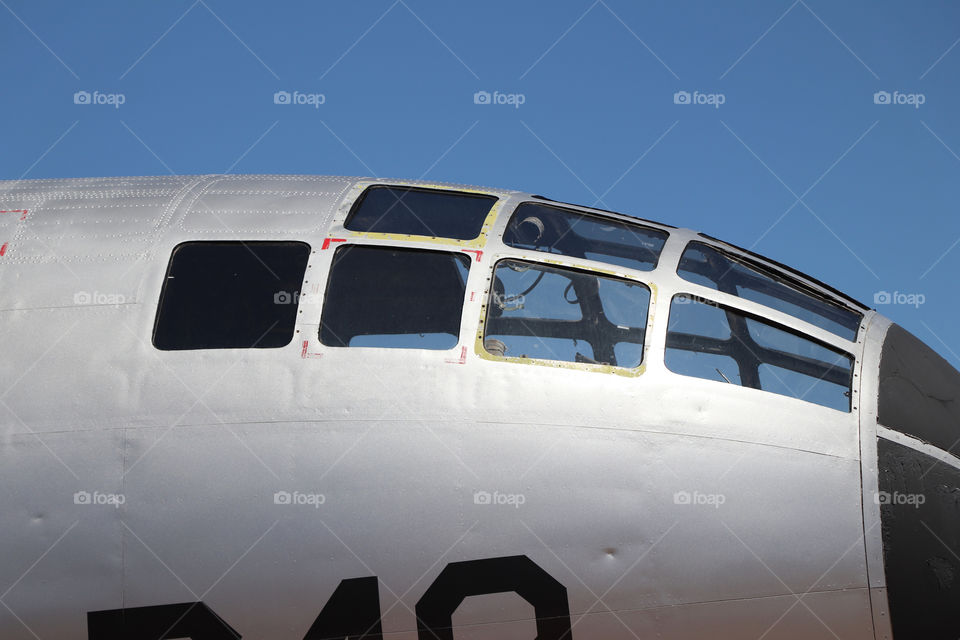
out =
column 635, row 372
column 479, row 242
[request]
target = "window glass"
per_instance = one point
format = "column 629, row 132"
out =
column 580, row 235
column 718, row 343
column 700, row 364
column 541, row 348
column 230, row 295
column 700, row 319
column 797, row 385
column 556, row 313
column 705, row 265
column 395, row 298
column 420, row 212
column 628, row 352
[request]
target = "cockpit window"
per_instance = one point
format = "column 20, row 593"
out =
column 709, row 341
column 420, row 212
column 708, row 266
column 556, row 313
column 580, row 235
column 395, row 298
column 230, row 295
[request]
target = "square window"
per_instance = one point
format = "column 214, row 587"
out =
column 394, row 298
column 420, row 212
column 570, row 315
column 230, row 295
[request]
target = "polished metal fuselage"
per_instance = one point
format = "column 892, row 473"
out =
column 256, row 480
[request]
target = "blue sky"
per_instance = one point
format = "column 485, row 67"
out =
column 798, row 161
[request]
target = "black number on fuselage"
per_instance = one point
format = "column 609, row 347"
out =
column 193, row 620
column 351, row 613
column 518, row 574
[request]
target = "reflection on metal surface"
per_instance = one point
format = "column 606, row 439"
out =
column 396, row 456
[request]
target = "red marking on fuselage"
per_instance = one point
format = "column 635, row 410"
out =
column 462, row 359
column 305, row 354
column 328, row 241
column 476, row 251
column 23, row 216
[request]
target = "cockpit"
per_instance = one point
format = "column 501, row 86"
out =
column 563, row 286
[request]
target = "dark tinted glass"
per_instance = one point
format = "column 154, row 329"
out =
column 420, row 212
column 555, row 313
column 230, row 295
column 718, row 343
column 573, row 233
column 707, row 266
column 389, row 297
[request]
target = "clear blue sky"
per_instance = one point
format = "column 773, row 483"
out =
column 799, row 162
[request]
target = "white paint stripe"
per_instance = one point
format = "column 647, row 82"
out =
column 918, row 445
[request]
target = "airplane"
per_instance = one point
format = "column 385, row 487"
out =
column 305, row 407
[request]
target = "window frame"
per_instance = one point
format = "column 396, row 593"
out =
column 787, row 280
column 391, row 246
column 537, row 258
column 754, row 315
column 610, row 217
column 246, row 244
column 363, row 188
